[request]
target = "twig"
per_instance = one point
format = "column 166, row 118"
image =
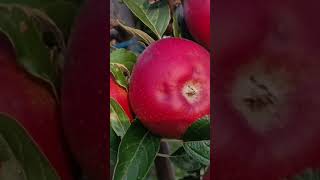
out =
column 173, row 4
column 163, row 165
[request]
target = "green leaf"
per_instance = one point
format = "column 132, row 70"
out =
column 199, row 130
column 22, row 27
column 156, row 17
column 182, row 160
column 10, row 167
column 136, row 154
column 30, row 3
column 118, row 118
column 118, row 71
column 174, row 144
column 137, row 32
column 62, row 13
column 308, row 174
column 199, row 151
column 21, row 159
column 124, row 57
column 175, row 26
column 114, row 145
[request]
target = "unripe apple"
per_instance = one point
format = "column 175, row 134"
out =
column 121, row 96
column 85, row 91
column 170, row 86
column 32, row 104
column 197, row 17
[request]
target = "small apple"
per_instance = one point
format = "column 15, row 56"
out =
column 170, row 86
column 197, row 17
column 121, row 96
column 32, row 104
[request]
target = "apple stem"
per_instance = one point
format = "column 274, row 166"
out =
column 163, row 165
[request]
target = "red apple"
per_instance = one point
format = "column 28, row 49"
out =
column 197, row 17
column 170, row 86
column 32, row 104
column 85, row 91
column 121, row 96
column 238, row 26
column 267, row 102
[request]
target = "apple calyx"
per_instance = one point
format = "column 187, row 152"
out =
column 191, row 91
column 259, row 95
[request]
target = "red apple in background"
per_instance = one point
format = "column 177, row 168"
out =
column 266, row 100
column 197, row 17
column 85, row 91
column 121, row 96
column 170, row 86
column 32, row 104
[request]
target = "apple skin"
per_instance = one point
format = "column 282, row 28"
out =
column 157, row 83
column 85, row 91
column 32, row 104
column 197, row 17
column 238, row 32
column 121, row 96
column 266, row 101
